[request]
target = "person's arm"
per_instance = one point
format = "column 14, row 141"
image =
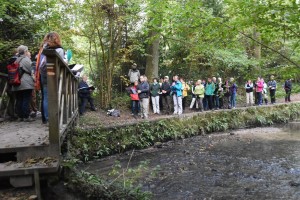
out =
column 145, row 89
column 129, row 73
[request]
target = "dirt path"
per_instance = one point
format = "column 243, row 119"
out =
column 100, row 118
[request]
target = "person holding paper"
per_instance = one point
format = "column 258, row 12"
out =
column 84, row 91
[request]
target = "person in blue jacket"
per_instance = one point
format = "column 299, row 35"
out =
column 176, row 89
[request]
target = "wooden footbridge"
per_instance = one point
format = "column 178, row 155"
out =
column 28, row 149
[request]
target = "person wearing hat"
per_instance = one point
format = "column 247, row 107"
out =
column 24, row 90
column 134, row 73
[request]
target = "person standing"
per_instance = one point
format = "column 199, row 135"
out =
column 185, row 89
column 226, row 95
column 216, row 103
column 259, row 88
column 135, row 101
column 288, row 90
column 177, row 95
column 143, row 91
column 233, row 92
column 24, row 90
column 265, row 92
column 165, row 94
column 85, row 95
column 155, row 91
column 249, row 93
column 199, row 93
column 193, row 97
column 272, row 88
column 209, row 91
column 134, row 73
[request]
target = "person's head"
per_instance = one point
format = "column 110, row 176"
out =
column 220, row 80
column 262, row 80
column 161, row 79
column 166, row 78
column 53, row 39
column 181, row 80
column 28, row 54
column 84, row 78
column 214, row 79
column 135, row 83
column 142, row 78
column 249, row 81
column 272, row 77
column 209, row 80
column 175, row 78
column 155, row 80
column 258, row 78
column 198, row 82
column 231, row 80
column 22, row 50
column 134, row 66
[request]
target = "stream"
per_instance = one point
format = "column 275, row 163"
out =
column 257, row 163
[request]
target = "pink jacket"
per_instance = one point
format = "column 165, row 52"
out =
column 259, row 86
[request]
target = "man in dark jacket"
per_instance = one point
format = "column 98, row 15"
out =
column 166, row 98
column 288, row 90
column 85, row 95
column 143, row 91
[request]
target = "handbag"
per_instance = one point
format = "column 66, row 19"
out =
column 134, row 97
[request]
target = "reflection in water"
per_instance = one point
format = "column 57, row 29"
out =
column 259, row 163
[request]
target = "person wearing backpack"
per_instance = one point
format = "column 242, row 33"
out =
column 24, row 90
column 288, row 90
column 51, row 41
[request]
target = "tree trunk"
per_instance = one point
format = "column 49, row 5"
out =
column 256, row 46
column 152, row 59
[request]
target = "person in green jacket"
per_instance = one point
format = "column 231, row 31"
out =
column 209, row 92
column 199, row 93
column 155, row 91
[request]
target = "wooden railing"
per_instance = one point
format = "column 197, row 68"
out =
column 62, row 97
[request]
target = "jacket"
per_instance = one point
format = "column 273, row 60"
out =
column 166, row 86
column 288, row 85
column 84, row 92
column 185, row 89
column 233, row 88
column 199, row 91
column 133, row 75
column 209, row 89
column 177, row 88
column 259, row 86
column 249, row 87
column 144, row 88
column 154, row 89
column 272, row 85
column 27, row 82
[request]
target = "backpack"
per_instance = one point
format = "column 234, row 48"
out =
column 14, row 73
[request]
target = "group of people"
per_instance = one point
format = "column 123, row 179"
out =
column 33, row 79
column 210, row 94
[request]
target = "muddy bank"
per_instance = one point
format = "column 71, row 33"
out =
column 258, row 163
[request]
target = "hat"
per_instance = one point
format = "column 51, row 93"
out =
column 21, row 49
column 167, row 77
column 134, row 65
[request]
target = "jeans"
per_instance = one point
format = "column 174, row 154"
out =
column 288, row 95
column 23, row 101
column 166, row 101
column 272, row 95
column 144, row 107
column 84, row 101
column 249, row 98
column 135, row 107
column 177, row 104
column 233, row 100
column 209, row 99
column 259, row 98
column 155, row 104
column 199, row 103
column 216, row 101
column 44, row 98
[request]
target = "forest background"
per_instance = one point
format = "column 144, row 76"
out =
column 195, row 39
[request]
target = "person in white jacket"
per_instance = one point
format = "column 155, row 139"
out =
column 249, row 93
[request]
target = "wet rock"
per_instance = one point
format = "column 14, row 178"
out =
column 214, row 170
column 158, row 145
column 231, row 133
column 294, row 184
column 32, row 197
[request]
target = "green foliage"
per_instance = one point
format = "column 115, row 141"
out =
column 99, row 142
column 90, row 186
